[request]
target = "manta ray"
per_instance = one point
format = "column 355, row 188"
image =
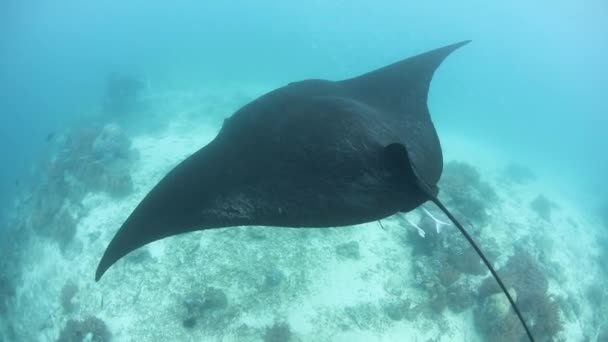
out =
column 314, row 153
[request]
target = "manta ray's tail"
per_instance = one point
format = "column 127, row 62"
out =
column 438, row 203
column 411, row 174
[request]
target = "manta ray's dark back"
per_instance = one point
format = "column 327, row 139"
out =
column 314, row 153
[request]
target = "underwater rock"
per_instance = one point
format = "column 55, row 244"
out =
column 91, row 329
column 278, row 332
column 349, row 250
column 273, row 278
column 519, row 174
column 543, row 206
column 68, row 291
column 400, row 309
column 208, row 307
column 139, row 256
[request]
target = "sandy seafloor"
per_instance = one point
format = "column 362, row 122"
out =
column 321, row 294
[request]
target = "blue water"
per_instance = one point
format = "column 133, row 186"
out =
column 533, row 80
column 532, row 83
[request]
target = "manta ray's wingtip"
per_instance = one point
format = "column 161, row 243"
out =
column 458, row 45
column 101, row 269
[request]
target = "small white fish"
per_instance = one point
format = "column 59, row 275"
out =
column 438, row 223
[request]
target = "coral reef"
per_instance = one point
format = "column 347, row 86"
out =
column 524, row 274
column 519, row 174
column 278, row 332
column 400, row 309
column 52, row 220
column 442, row 262
column 543, row 207
column 431, row 241
column 460, row 295
column 91, row 158
column 545, row 317
column 445, row 286
column 349, row 250
column 495, row 320
column 467, row 193
column 521, row 272
column 68, row 291
column 463, row 258
column 90, row 329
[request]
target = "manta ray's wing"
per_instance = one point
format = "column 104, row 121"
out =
column 313, row 145
column 401, row 89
